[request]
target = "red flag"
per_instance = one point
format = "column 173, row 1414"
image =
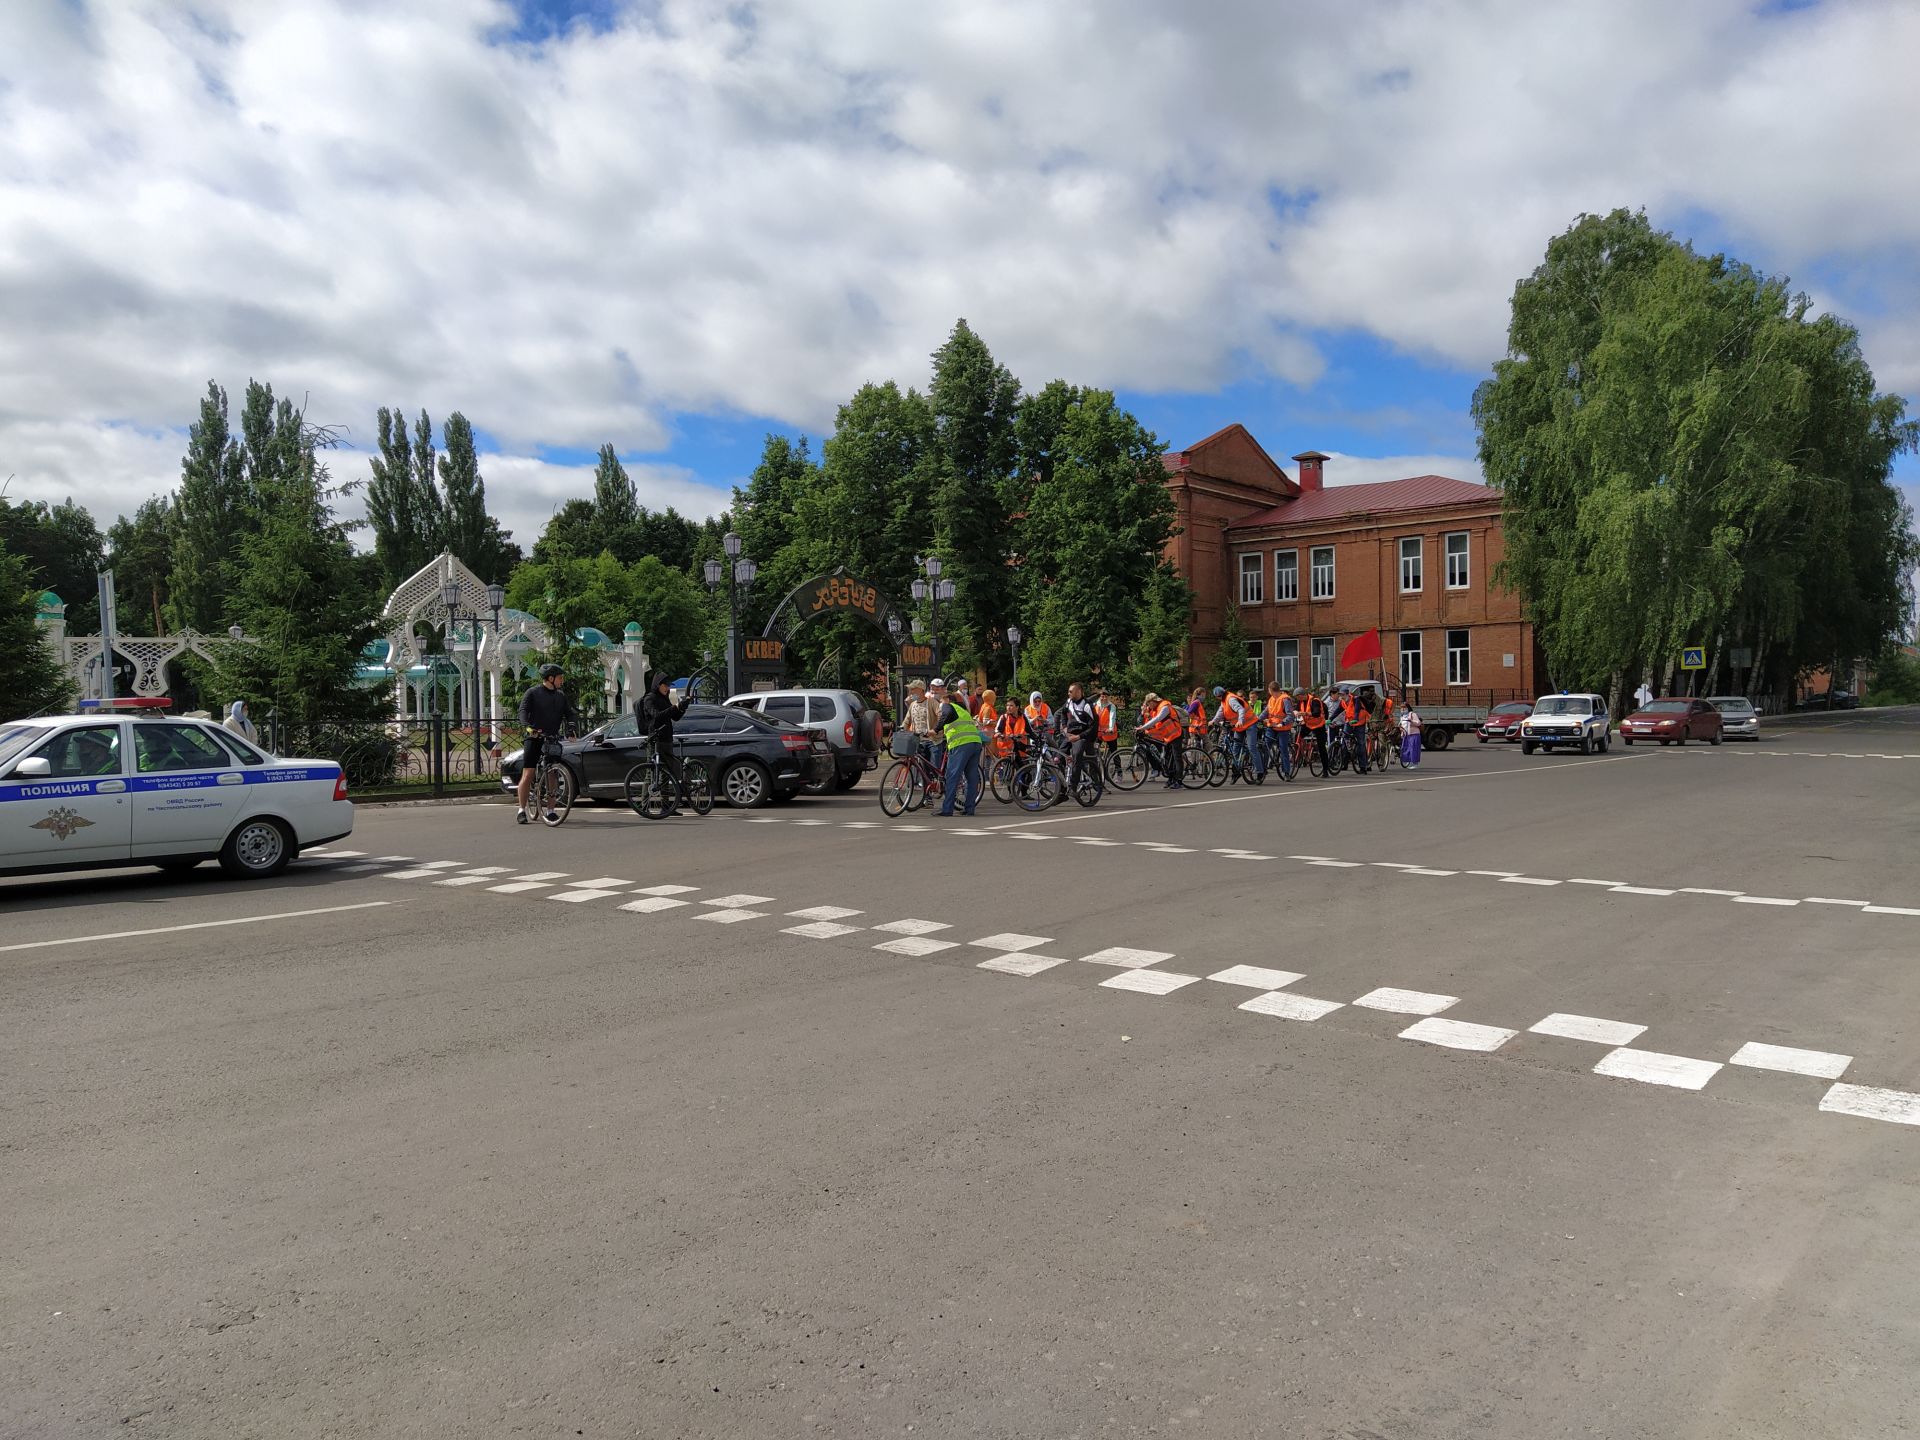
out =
column 1361, row 649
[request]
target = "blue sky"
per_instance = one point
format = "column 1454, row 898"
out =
column 677, row 227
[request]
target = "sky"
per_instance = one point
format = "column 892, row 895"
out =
column 678, row 227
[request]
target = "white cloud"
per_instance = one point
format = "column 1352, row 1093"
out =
column 752, row 209
column 1365, row 469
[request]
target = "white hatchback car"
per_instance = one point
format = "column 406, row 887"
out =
column 1578, row 722
column 87, row 791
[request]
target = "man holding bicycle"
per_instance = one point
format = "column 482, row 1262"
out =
column 1080, row 724
column 545, row 711
column 656, row 713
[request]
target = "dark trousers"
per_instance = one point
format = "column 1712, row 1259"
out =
column 1081, row 754
column 670, row 762
column 963, row 763
column 1320, row 744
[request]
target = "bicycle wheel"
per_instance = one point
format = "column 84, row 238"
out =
column 1037, row 786
column 699, row 789
column 1216, row 769
column 1316, row 766
column 556, row 793
column 1086, row 794
column 897, row 789
column 1127, row 768
column 1000, row 782
column 647, row 790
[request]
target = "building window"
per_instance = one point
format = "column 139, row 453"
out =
column 1286, row 663
column 1412, row 565
column 1251, row 580
column 1322, row 664
column 1458, row 671
column 1410, row 658
column 1257, row 664
column 1323, row 573
column 1457, row 568
column 1286, row 574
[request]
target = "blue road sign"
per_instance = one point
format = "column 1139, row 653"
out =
column 1693, row 657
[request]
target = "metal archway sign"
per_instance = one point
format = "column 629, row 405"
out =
column 823, row 597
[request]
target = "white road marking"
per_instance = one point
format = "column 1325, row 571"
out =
column 1022, row 964
column 1650, row 1067
column 580, row 897
column 1525, row 880
column 1406, row 1002
column 1149, row 982
column 912, row 927
column 1888, row 910
column 1255, row 976
column 1871, row 1103
column 738, row 902
column 443, row 864
column 417, row 873
column 1248, row 855
column 1457, row 1034
column 1606, row 884
column 1638, row 890
column 393, row 858
column 519, row 887
column 605, row 882
column 1012, row 940
column 665, row 889
column 1588, row 1027
column 821, row 930
column 1127, row 959
column 916, row 945
column 196, row 925
column 730, row 916
column 1497, row 874
column 859, row 824
column 1309, row 857
column 340, row 854
column 1821, row 1064
column 824, row 912
column 1386, row 865
column 1336, row 864
column 545, row 875
column 1827, row 900
column 1762, row 900
column 812, row 822
column 1290, row 1007
column 465, row 880
column 489, row 870
column 1091, row 840
column 1423, row 870
column 1698, row 890
column 1029, row 835
column 766, row 819
column 653, row 905
column 1172, row 849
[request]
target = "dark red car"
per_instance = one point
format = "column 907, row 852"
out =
column 1503, row 721
column 1673, row 722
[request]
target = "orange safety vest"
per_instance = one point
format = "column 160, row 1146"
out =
column 1013, row 725
column 1165, row 725
column 1106, row 722
column 1277, row 716
column 1348, row 710
column 1316, row 713
column 1197, row 720
column 1246, row 719
column 1039, row 714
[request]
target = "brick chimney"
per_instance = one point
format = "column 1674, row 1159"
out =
column 1312, row 470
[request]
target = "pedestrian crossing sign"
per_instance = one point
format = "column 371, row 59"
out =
column 1693, row 657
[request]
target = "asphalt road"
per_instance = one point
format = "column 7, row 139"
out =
column 381, row 1149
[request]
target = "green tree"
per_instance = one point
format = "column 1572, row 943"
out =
column 569, row 533
column 1229, row 666
column 974, row 400
column 31, row 681
column 473, row 535
column 140, row 551
column 64, row 552
column 1896, row 680
column 403, row 502
column 1054, row 655
column 1687, row 455
column 615, row 505
column 1166, row 620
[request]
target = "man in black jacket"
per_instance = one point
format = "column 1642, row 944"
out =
column 657, row 712
column 544, row 712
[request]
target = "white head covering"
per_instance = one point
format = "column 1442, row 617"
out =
column 1033, row 697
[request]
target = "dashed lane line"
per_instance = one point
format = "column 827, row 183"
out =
column 194, row 925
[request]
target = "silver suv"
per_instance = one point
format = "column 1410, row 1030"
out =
column 852, row 727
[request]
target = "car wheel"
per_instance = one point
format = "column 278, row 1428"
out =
column 1526, row 747
column 846, row 782
column 1586, row 744
column 1713, row 740
column 1627, row 740
column 1681, row 738
column 746, row 785
column 1483, row 739
column 257, row 849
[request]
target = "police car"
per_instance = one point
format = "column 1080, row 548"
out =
column 85, row 791
column 1577, row 721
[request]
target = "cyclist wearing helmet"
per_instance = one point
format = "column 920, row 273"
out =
column 544, row 710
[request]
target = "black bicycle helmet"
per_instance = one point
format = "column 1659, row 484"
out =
column 549, row 672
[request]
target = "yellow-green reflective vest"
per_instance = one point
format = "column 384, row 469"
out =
column 961, row 730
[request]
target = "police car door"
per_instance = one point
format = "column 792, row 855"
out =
column 65, row 801
column 187, row 791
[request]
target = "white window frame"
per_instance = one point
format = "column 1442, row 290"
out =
column 1252, row 580
column 1314, row 560
column 1319, row 677
column 1462, row 672
column 1464, row 555
column 1286, row 664
column 1413, row 564
column 1286, row 577
column 1257, row 664
column 1417, row 655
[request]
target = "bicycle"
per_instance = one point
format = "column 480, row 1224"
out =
column 911, row 780
column 1128, row 766
column 1280, row 753
column 1041, row 783
column 551, row 796
column 650, row 787
column 1306, row 754
column 1380, row 752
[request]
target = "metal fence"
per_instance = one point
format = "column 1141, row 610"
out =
column 430, row 753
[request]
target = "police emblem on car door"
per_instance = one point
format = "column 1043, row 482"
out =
column 62, row 822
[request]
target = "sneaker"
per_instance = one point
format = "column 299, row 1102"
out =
column 519, row 817
column 552, row 817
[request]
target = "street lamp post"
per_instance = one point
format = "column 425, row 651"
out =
column 496, row 599
column 1013, row 643
column 744, row 572
column 935, row 589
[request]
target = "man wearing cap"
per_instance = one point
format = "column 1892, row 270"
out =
column 936, row 737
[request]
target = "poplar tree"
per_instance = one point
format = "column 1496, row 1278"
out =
column 974, row 400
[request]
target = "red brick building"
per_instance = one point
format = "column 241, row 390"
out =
column 1310, row 568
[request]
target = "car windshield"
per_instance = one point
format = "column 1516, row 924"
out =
column 15, row 738
column 1512, row 709
column 1564, row 705
column 1666, row 707
column 1738, row 704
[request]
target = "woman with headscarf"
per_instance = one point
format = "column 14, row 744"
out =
column 240, row 724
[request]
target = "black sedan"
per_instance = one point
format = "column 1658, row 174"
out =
column 751, row 759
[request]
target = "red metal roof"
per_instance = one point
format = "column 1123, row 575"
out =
column 1418, row 492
